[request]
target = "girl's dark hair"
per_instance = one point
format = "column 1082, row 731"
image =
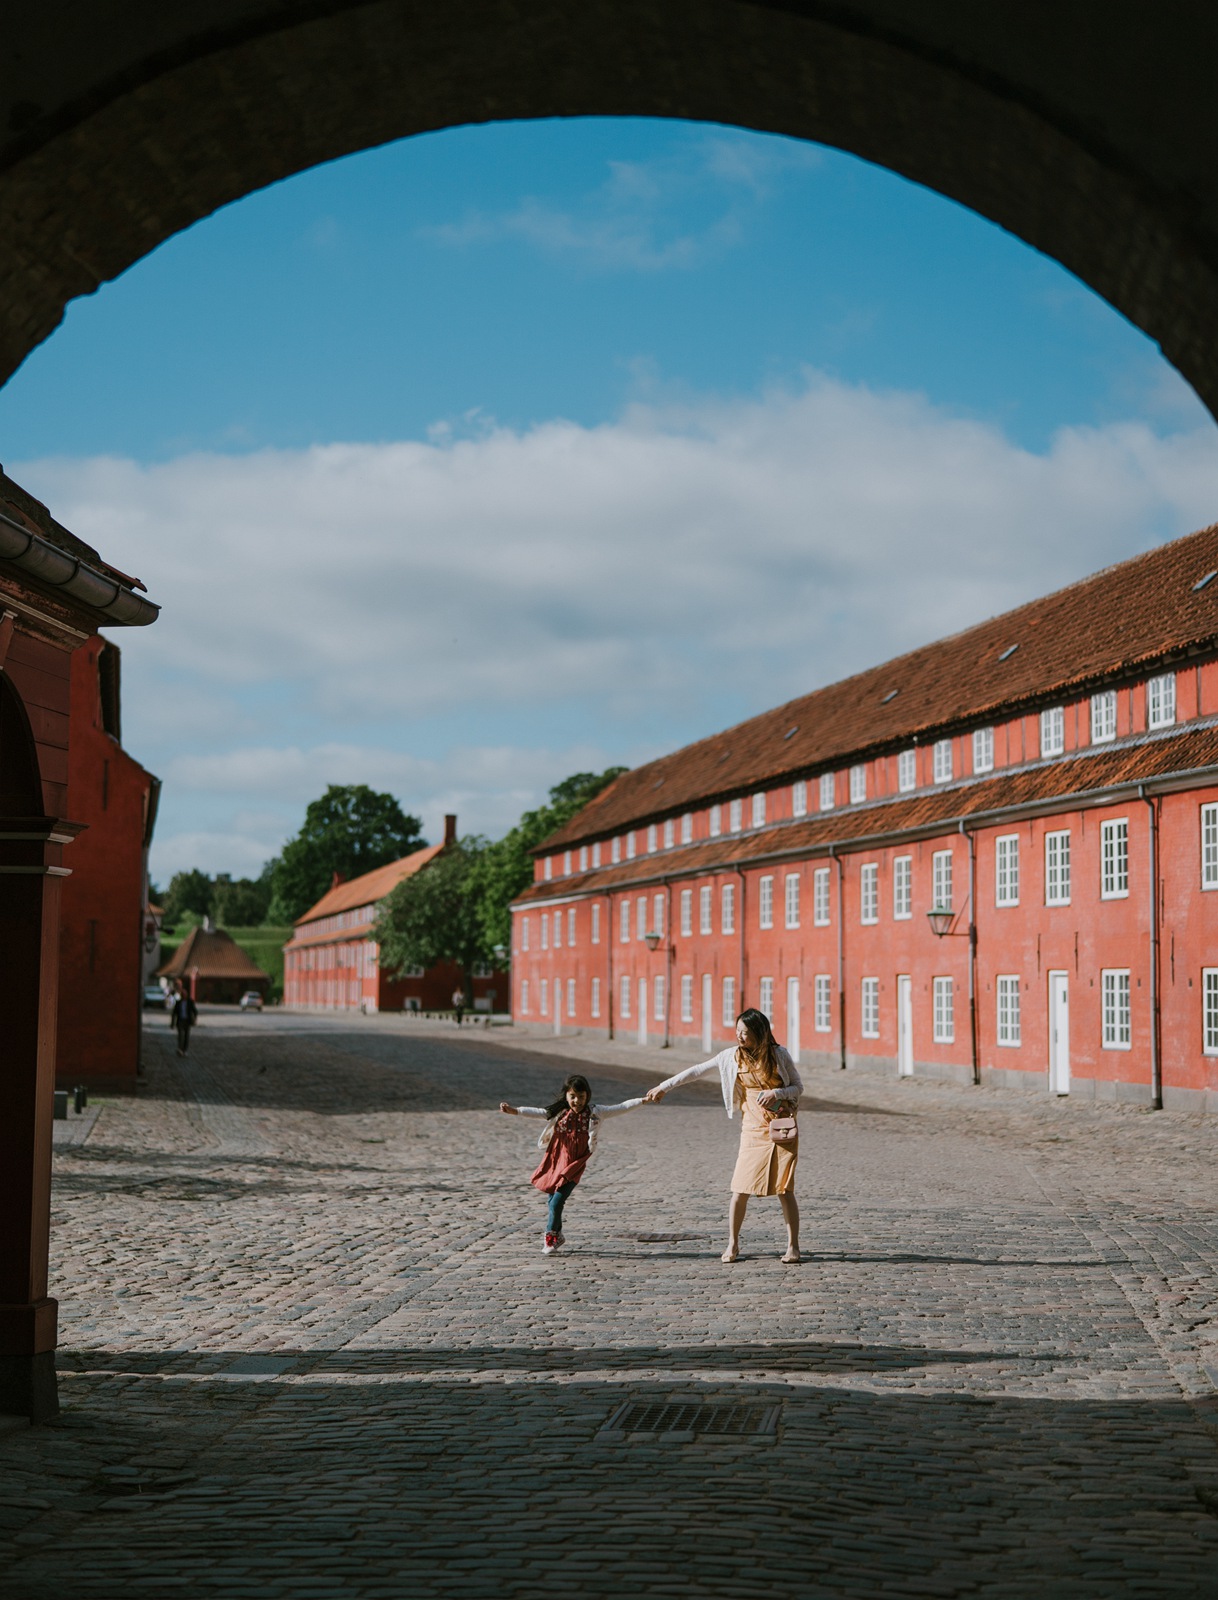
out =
column 575, row 1081
column 766, row 1052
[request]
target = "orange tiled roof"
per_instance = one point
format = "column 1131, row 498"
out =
column 1191, row 750
column 215, row 954
column 1111, row 624
column 370, row 886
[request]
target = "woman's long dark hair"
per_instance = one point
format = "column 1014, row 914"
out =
column 765, row 1051
column 578, row 1082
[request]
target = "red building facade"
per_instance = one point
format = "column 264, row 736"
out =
column 332, row 962
column 1046, row 784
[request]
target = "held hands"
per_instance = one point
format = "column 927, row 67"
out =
column 508, row 1111
column 654, row 1096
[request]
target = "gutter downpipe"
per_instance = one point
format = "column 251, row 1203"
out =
column 841, row 960
column 743, row 973
column 668, row 942
column 609, row 959
column 972, row 953
column 1156, row 1021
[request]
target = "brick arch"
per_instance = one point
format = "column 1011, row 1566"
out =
column 1086, row 132
column 20, row 784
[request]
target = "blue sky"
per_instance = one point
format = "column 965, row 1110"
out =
column 503, row 451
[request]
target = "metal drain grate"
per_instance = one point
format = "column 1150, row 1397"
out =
column 693, row 1416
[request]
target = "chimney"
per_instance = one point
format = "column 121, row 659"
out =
column 450, row 830
column 336, row 878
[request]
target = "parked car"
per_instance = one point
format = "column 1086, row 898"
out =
column 251, row 1000
column 155, row 997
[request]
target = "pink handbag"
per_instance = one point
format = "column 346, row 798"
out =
column 783, row 1130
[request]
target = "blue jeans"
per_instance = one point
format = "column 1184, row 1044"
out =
column 557, row 1200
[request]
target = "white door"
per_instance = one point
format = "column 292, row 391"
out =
column 642, row 999
column 1059, row 1033
column 793, row 1018
column 708, row 1021
column 905, row 1027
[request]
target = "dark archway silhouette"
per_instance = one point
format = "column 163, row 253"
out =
column 1086, row 130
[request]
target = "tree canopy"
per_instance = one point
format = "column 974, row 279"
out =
column 350, row 830
column 435, row 915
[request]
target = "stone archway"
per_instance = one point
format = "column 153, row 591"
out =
column 1085, row 130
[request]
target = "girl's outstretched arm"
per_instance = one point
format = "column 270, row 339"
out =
column 626, row 1105
column 523, row 1111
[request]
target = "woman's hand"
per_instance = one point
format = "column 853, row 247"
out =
column 654, row 1096
column 768, row 1097
column 508, row 1111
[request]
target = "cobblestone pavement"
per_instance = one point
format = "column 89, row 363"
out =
column 310, row 1347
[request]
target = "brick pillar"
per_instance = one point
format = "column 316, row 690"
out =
column 30, row 873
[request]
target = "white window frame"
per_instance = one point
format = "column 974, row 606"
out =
column 1209, row 846
column 821, row 912
column 942, row 887
column 596, row 922
column 1104, row 716
column 658, row 998
column 687, row 828
column 630, row 845
column 596, row 854
column 765, row 901
column 571, row 927
column 902, row 888
column 1052, row 731
column 907, row 771
column 716, row 821
column 615, row 849
column 706, row 908
column 1007, row 1009
column 1209, row 1011
column 870, row 1012
column 790, row 896
column 558, row 930
column 1114, row 859
column 548, row 869
column 687, row 997
column 545, row 930
column 944, row 994
column 828, row 791
column 858, row 784
column 570, row 997
column 595, row 1007
column 653, row 838
column 624, row 988
column 822, row 1004
column 729, row 1002
column 983, row 750
column 1161, row 700
column 765, row 998
column 727, row 909
column 659, row 913
column 624, row 921
column 524, row 997
column 670, row 832
column 1116, row 1009
column 735, row 815
column 687, row 913
column 1006, row 869
column 583, row 858
column 943, row 757
column 566, row 863
column 799, row 798
column 640, row 917
column 759, row 810
column 1057, row 867
column 545, row 997
column 524, row 933
column 869, row 893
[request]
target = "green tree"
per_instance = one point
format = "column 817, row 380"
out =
column 506, row 867
column 188, row 893
column 434, row 915
column 241, row 902
column 350, row 830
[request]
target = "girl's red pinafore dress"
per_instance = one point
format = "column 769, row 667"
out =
column 566, row 1155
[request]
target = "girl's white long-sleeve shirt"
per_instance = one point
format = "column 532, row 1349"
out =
column 595, row 1115
column 725, row 1065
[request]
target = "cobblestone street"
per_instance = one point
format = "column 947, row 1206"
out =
column 310, row 1347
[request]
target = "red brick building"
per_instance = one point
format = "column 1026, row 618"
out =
column 333, row 964
column 105, row 900
column 1045, row 783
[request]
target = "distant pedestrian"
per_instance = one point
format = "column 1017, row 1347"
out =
column 567, row 1142
column 459, row 1004
column 183, row 1017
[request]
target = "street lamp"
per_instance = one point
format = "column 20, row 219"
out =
column 941, row 919
column 652, row 940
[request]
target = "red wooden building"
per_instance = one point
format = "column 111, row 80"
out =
column 213, row 968
column 332, row 963
column 105, row 900
column 993, row 859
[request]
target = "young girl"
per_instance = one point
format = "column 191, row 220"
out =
column 567, row 1142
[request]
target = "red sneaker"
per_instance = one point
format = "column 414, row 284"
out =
column 550, row 1245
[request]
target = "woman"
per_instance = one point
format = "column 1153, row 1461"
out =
column 759, row 1076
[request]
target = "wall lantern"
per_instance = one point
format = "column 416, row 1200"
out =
column 652, row 940
column 941, row 919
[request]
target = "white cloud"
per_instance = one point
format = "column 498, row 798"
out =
column 463, row 622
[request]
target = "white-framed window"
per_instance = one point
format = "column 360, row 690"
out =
column 558, row 930
column 1117, row 1032
column 596, row 854
column 827, row 787
column 907, row 771
column 653, row 838
column 729, row 1002
column 1161, row 701
column 1008, row 1009
column 615, row 849
column 1103, row 716
column 869, row 892
column 735, row 815
column 716, row 821
column 765, row 902
column 687, row 828
column 983, row 749
column 759, row 810
column 706, row 896
column 570, row 997
column 670, row 832
column 791, row 899
column 624, row 914
column 658, row 914
column 687, row 913
column 945, row 1010
column 687, row 998
column 640, row 917
column 766, row 997
column 571, row 926
column 1209, row 1010
column 624, row 998
column 1209, row 847
column 524, row 933
column 1057, row 868
column 596, row 997
column 596, row 924
column 657, row 990
column 799, row 799
column 549, row 869
column 871, row 1008
column 727, row 909
column 822, row 1003
column 1006, row 869
column 902, row 888
column 524, row 997
column 545, row 931
column 941, row 880
column 566, row 863
column 820, row 897
column 583, row 858
column 1114, row 859
column 858, row 784
column 1053, row 731
column 630, row 845
column 545, row 997
column 943, row 761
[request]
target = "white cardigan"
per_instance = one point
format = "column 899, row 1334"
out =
column 595, row 1113
column 725, row 1065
